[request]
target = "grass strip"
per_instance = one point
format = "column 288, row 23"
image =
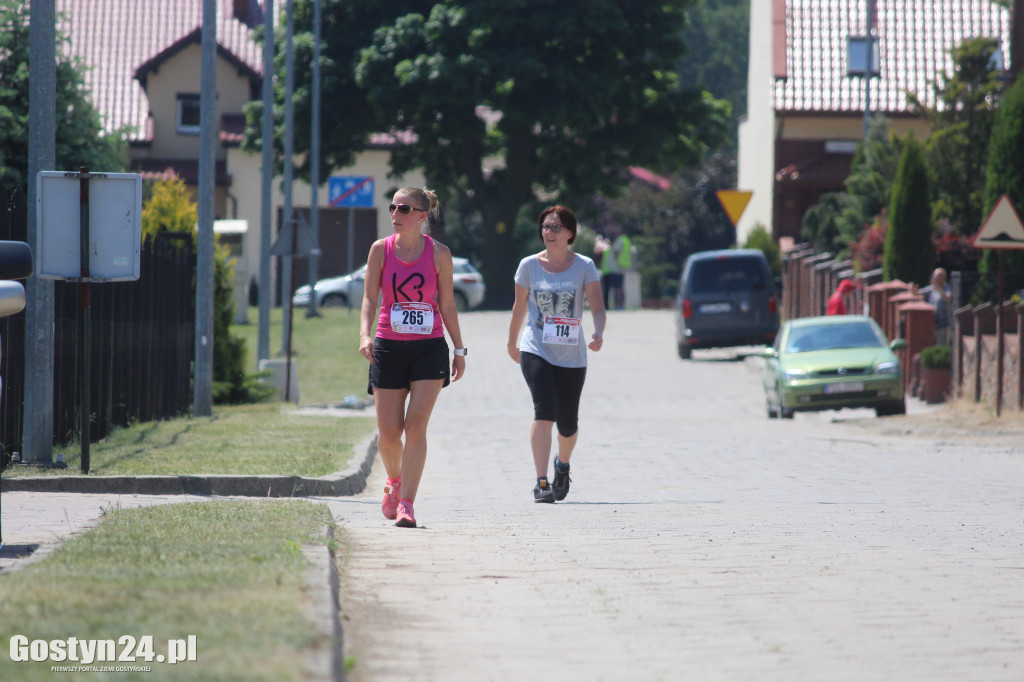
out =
column 228, row 572
column 325, row 351
column 266, row 438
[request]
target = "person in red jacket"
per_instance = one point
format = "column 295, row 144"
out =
column 837, row 301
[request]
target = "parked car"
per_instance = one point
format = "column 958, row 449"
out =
column 726, row 298
column 336, row 291
column 827, row 363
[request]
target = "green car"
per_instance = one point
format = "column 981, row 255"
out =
column 827, row 363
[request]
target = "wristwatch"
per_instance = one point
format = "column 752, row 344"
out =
column 460, row 351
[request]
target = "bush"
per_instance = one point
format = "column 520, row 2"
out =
column 936, row 357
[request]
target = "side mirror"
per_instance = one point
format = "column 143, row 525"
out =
column 15, row 260
column 898, row 344
column 15, row 263
column 12, row 298
column 767, row 353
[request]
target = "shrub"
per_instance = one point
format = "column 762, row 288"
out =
column 909, row 249
column 936, row 357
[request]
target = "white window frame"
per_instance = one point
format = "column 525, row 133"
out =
column 185, row 99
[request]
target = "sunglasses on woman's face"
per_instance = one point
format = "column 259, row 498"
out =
column 404, row 209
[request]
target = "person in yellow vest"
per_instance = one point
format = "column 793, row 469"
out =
column 615, row 263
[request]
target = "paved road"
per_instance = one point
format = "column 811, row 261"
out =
column 700, row 540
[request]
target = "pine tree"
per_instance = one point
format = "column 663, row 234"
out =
column 1005, row 171
column 909, row 249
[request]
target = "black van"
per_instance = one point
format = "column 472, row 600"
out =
column 726, row 298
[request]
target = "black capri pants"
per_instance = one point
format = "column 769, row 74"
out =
column 556, row 391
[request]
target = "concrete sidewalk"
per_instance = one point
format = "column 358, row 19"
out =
column 700, row 540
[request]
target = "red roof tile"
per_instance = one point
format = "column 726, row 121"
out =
column 914, row 40
column 115, row 38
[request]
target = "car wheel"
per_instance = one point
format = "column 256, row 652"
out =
column 684, row 350
column 772, row 412
column 783, row 412
column 461, row 304
column 334, row 301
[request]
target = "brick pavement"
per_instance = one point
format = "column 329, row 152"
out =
column 700, row 540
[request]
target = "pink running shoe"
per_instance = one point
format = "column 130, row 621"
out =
column 389, row 505
column 405, row 517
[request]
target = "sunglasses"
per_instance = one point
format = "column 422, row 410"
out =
column 552, row 227
column 404, row 209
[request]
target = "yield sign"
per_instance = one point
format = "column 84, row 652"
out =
column 734, row 201
column 1002, row 229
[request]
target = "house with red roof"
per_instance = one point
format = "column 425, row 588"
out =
column 142, row 62
column 806, row 96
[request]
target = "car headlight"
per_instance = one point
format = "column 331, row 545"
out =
column 794, row 374
column 887, row 368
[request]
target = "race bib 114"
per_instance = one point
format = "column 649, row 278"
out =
column 561, row 330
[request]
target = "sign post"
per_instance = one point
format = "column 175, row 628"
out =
column 85, row 241
column 1002, row 230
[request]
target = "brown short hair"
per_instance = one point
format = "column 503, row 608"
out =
column 567, row 217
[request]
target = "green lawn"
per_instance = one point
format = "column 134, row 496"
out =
column 229, row 573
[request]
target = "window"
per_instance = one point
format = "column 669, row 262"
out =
column 188, row 114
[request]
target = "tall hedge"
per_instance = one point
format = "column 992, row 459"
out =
column 1005, row 171
column 909, row 249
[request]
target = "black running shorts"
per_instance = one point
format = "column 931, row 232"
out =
column 396, row 364
column 555, row 390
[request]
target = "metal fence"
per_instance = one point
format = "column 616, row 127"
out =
column 142, row 343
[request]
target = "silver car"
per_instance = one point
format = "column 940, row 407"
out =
column 337, row 291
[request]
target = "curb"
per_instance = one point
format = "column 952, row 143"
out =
column 352, row 481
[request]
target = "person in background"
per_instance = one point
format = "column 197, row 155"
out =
column 616, row 261
column 837, row 301
column 408, row 354
column 937, row 293
column 552, row 352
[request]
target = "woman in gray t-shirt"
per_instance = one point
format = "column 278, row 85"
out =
column 552, row 351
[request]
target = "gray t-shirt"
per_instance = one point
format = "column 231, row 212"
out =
column 556, row 298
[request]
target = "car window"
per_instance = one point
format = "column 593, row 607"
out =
column 832, row 336
column 727, row 275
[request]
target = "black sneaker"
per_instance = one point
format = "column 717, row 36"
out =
column 562, row 481
column 545, row 494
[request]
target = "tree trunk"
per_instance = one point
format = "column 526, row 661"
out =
column 500, row 262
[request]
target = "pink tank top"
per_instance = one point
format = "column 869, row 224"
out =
column 409, row 308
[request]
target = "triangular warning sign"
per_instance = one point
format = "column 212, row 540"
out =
column 734, row 201
column 1002, row 229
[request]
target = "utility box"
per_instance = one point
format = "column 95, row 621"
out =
column 115, row 225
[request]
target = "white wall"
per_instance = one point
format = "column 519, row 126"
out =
column 755, row 170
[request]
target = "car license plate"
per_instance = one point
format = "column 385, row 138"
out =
column 712, row 308
column 845, row 387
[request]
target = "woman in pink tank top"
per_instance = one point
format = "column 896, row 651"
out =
column 412, row 275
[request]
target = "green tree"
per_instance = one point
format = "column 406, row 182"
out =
column 1005, row 171
column 80, row 140
column 667, row 225
column 761, row 238
column 717, row 54
column 169, row 209
column 909, row 249
column 839, row 219
column 961, row 126
column 564, row 95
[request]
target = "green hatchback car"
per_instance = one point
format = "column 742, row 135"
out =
column 828, row 363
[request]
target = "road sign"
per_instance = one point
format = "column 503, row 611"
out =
column 295, row 239
column 1002, row 229
column 114, row 222
column 350, row 191
column 734, row 201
